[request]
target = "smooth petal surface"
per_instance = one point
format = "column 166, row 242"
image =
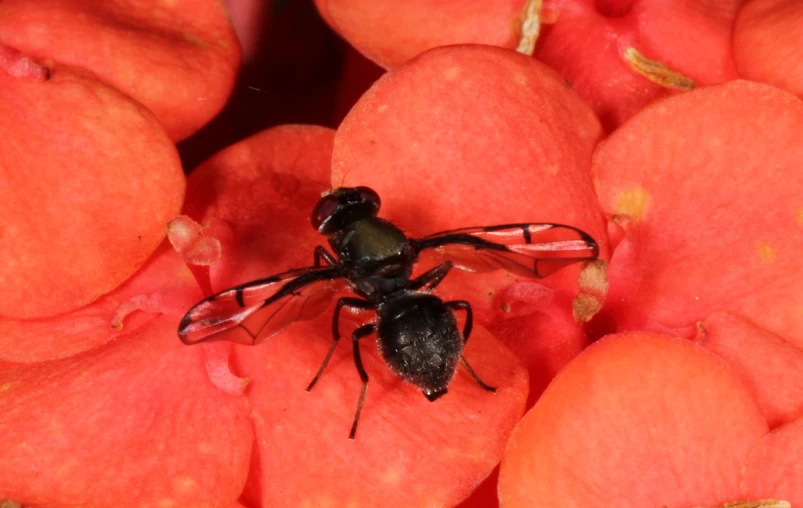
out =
column 179, row 58
column 133, row 423
column 766, row 43
column 472, row 133
column 770, row 365
column 711, row 182
column 390, row 35
column 773, row 469
column 89, row 180
column 637, row 419
column 543, row 343
column 163, row 285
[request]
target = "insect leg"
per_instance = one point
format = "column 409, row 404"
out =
column 356, row 336
column 354, row 303
column 431, row 278
column 321, row 253
column 476, row 378
column 464, row 305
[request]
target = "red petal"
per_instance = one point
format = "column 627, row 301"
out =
column 90, row 179
column 133, row 423
column 162, row 286
column 18, row 65
column 407, row 450
column 767, row 41
column 442, row 158
column 599, row 73
column 770, row 365
column 774, row 469
column 544, row 345
column 711, row 181
column 544, row 336
column 265, row 188
column 637, row 419
column 391, row 36
column 178, row 58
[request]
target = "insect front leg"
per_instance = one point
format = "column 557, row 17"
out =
column 322, row 253
column 464, row 305
column 431, row 278
column 354, row 303
column 356, row 336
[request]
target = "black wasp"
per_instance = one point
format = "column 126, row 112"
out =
column 417, row 332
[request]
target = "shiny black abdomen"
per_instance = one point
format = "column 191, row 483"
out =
column 419, row 340
column 377, row 256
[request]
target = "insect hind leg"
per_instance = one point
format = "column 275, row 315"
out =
column 354, row 303
column 464, row 305
column 476, row 378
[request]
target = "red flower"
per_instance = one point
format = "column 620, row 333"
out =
column 693, row 200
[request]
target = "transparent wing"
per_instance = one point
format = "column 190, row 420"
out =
column 261, row 308
column 528, row 250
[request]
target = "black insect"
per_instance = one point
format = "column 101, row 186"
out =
column 417, row 332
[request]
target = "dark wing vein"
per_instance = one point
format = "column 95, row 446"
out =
column 261, row 308
column 530, row 250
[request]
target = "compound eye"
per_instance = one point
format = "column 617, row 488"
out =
column 326, row 207
column 369, row 195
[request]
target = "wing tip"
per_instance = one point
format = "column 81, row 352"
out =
column 592, row 244
column 184, row 330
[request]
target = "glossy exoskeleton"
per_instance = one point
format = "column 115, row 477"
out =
column 418, row 333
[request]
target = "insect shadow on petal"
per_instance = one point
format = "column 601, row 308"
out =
column 418, row 333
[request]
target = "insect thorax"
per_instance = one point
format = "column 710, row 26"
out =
column 376, row 254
